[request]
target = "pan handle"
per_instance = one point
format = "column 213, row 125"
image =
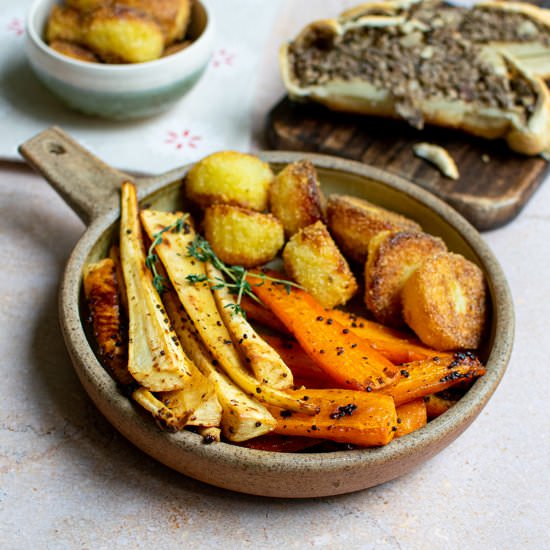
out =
column 88, row 185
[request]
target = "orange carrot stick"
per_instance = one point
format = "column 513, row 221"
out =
column 436, row 404
column 345, row 416
column 421, row 378
column 260, row 314
column 342, row 355
column 410, row 417
column 280, row 443
column 399, row 347
column 304, row 370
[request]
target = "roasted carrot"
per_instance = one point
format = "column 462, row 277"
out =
column 399, row 347
column 437, row 404
column 280, row 443
column 260, row 314
column 421, row 378
column 410, row 417
column 304, row 369
column 342, row 355
column 102, row 295
column 346, row 416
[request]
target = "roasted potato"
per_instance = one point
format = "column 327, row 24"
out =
column 242, row 237
column 295, row 196
column 119, row 34
column 171, row 15
column 353, row 222
column 444, row 302
column 64, row 24
column 87, row 5
column 392, row 258
column 314, row 261
column 229, row 177
column 74, row 50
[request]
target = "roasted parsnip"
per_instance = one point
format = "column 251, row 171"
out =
column 199, row 303
column 155, row 357
column 266, row 364
column 242, row 417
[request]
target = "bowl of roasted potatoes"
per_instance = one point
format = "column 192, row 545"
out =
column 280, row 324
column 119, row 59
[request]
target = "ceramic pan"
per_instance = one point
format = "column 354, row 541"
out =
column 91, row 188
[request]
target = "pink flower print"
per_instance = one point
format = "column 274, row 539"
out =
column 223, row 57
column 183, row 139
column 16, row 26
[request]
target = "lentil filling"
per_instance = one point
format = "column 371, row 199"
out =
column 436, row 54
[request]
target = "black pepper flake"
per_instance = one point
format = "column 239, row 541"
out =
column 399, row 420
column 353, row 346
column 320, row 318
column 345, row 331
column 219, row 323
column 314, row 427
column 369, row 389
column 394, row 428
column 404, row 373
column 258, row 424
column 329, row 321
column 208, row 439
column 321, row 351
column 344, row 410
column 227, row 342
column 286, row 414
column 215, row 362
column 258, row 390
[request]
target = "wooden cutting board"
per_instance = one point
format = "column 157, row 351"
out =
column 494, row 182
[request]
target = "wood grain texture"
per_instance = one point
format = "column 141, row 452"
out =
column 494, row 185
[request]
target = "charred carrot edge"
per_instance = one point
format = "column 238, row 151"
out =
column 261, row 315
column 399, row 347
column 410, row 417
column 421, row 378
column 346, row 416
column 102, row 295
column 342, row 355
column 436, row 405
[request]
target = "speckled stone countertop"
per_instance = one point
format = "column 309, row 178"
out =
column 69, row 480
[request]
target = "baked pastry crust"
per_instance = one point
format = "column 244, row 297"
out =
column 526, row 132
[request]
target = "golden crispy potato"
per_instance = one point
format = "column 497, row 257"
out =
column 119, row 34
column 392, row 258
column 64, row 24
column 73, row 50
column 229, row 177
column 171, row 15
column 444, row 302
column 353, row 222
column 175, row 48
column 242, row 237
column 313, row 260
column 295, row 196
column 87, row 5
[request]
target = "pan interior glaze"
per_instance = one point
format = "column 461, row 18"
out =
column 279, row 474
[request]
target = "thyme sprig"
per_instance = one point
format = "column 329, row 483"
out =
column 152, row 258
column 237, row 284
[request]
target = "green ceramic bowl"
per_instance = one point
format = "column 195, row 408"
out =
column 119, row 92
column 92, row 189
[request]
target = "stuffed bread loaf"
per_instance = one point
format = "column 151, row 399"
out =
column 429, row 62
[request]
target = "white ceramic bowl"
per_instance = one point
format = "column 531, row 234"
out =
column 119, row 91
